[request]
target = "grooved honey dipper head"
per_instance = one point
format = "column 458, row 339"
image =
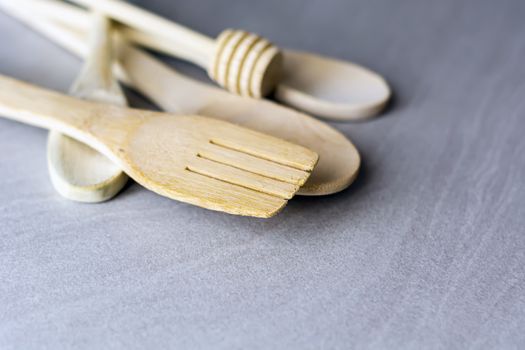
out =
column 246, row 64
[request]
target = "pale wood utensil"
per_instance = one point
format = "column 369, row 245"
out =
column 339, row 159
column 323, row 86
column 330, row 88
column 239, row 61
column 77, row 171
column 193, row 159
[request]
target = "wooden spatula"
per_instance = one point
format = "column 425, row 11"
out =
column 194, row 159
column 77, row 171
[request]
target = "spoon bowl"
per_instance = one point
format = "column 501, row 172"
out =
column 331, row 88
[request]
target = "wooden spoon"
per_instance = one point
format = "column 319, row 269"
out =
column 198, row 160
column 326, row 87
column 339, row 159
column 77, row 171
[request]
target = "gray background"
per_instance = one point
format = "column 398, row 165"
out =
column 425, row 250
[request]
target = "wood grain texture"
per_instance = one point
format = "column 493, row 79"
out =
column 424, row 251
column 249, row 65
column 254, row 67
column 163, row 152
column 339, row 159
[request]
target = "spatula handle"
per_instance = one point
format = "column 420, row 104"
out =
column 97, row 125
column 39, row 107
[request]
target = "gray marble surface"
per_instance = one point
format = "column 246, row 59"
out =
column 425, row 251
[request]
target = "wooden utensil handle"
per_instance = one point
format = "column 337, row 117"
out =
column 148, row 75
column 78, row 19
column 85, row 121
column 69, row 30
column 96, row 73
column 53, row 10
column 77, row 171
column 241, row 62
column 187, row 43
column 40, row 107
column 96, row 81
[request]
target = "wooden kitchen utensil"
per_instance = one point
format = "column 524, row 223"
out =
column 339, row 159
column 238, row 61
column 326, row 87
column 77, row 171
column 193, row 159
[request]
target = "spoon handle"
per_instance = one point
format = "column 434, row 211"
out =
column 96, row 81
column 78, row 21
column 133, row 67
column 77, row 171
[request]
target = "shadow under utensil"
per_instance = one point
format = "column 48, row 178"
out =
column 318, row 215
column 320, row 203
column 137, row 100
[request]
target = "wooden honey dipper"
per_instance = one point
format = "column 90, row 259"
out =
column 242, row 62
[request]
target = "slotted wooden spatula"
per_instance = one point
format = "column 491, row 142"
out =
column 194, row 159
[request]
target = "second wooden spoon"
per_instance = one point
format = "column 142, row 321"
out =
column 319, row 85
column 77, row 171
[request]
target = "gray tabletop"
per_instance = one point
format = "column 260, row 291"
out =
column 425, row 250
